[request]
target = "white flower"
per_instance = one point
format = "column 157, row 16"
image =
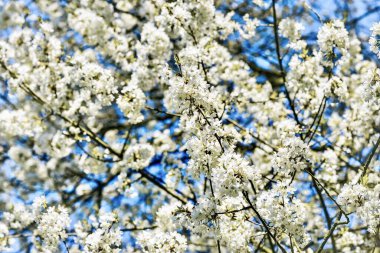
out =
column 287, row 214
column 249, row 29
column 336, row 87
column 46, row 27
column 51, row 226
column 61, row 145
column 352, row 196
column 89, row 24
column 350, row 242
column 369, row 212
column 20, row 216
column 138, row 156
column 232, row 174
column 293, row 156
column 103, row 241
column 158, row 241
column 3, row 237
column 259, row 2
column 290, row 29
column 332, row 35
column 157, row 42
column 131, row 102
column 39, row 203
column 371, row 86
column 83, row 189
column 105, row 238
column 374, row 40
column 165, row 216
column 19, row 154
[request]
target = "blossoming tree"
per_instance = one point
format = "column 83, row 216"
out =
column 189, row 126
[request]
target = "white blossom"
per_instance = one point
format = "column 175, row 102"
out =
column 290, row 29
column 162, row 242
column 188, row 126
column 51, row 226
column 332, row 35
column 352, row 196
column 292, row 157
column 374, row 39
column 138, row 156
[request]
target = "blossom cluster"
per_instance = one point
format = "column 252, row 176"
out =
column 188, row 126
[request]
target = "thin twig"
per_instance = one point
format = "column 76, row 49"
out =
column 263, row 222
column 279, row 58
column 371, row 155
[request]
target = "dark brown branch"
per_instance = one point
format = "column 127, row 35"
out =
column 263, row 222
column 279, row 58
column 369, row 159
